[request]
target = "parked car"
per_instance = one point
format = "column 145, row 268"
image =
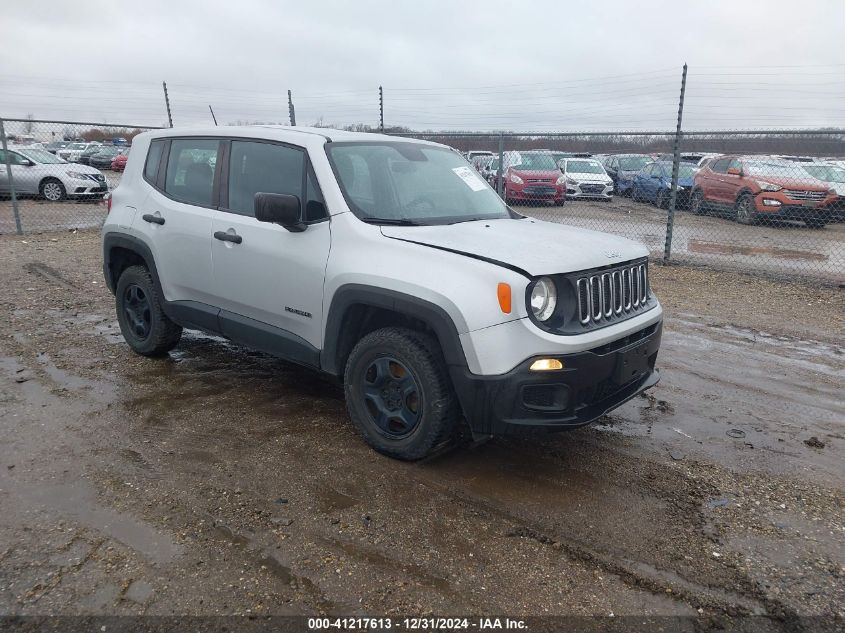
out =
column 72, row 152
column 491, row 170
column 834, row 177
column 118, row 163
column 532, row 177
column 388, row 264
column 38, row 172
column 653, row 183
column 471, row 155
column 622, row 167
column 103, row 158
column 56, row 146
column 750, row 188
column 586, row 178
column 479, row 162
column 85, row 157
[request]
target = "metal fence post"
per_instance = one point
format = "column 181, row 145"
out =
column 499, row 183
column 291, row 110
column 167, row 104
column 15, row 209
column 676, row 161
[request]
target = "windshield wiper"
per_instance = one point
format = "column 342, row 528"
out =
column 392, row 221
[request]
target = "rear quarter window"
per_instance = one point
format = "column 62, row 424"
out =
column 153, row 161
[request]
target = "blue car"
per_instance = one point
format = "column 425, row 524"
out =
column 654, row 181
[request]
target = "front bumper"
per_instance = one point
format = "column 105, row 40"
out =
column 84, row 188
column 790, row 210
column 531, row 191
column 591, row 384
column 590, row 190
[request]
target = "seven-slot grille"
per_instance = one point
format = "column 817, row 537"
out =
column 610, row 294
column 801, row 194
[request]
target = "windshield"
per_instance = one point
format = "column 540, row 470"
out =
column 774, row 170
column 111, row 151
column 633, row 163
column 77, row 146
column 411, row 183
column 828, row 173
column 41, row 156
column 526, row 161
column 583, row 167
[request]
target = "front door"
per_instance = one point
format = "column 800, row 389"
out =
column 265, row 275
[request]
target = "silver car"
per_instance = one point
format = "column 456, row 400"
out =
column 72, row 152
column 38, row 172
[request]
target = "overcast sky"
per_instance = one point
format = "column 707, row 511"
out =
column 444, row 64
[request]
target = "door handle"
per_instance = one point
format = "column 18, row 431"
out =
column 152, row 219
column 223, row 236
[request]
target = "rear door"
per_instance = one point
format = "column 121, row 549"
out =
column 175, row 217
column 713, row 181
column 732, row 184
column 270, row 276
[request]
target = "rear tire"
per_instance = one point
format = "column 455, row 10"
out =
column 399, row 395
column 143, row 323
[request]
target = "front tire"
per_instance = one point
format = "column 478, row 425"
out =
column 696, row 203
column 53, row 190
column 660, row 200
column 143, row 323
column 744, row 209
column 399, row 395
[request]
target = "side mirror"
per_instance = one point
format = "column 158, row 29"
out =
column 26, row 162
column 734, row 171
column 280, row 208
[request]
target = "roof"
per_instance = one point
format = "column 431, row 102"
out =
column 288, row 133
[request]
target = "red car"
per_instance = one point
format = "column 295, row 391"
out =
column 118, row 163
column 532, row 177
column 753, row 188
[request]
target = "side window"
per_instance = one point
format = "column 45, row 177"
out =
column 315, row 207
column 262, row 167
column 720, row 166
column 190, row 170
column 153, row 161
column 735, row 164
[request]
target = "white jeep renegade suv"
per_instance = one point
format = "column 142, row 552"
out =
column 387, row 263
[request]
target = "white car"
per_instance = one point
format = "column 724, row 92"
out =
column 72, row 152
column 387, row 263
column 38, row 172
column 586, row 178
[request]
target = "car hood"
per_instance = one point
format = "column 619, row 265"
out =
column 74, row 167
column 536, row 173
column 532, row 246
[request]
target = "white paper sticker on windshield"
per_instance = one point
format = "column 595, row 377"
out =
column 472, row 179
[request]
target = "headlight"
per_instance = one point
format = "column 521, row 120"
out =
column 561, row 179
column 543, row 298
column 768, row 186
column 680, row 188
column 571, row 181
column 77, row 175
column 515, row 179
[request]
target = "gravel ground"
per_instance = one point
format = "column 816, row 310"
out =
column 222, row 481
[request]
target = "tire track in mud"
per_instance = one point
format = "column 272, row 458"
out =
column 746, row 599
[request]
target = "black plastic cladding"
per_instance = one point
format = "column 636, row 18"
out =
column 566, row 320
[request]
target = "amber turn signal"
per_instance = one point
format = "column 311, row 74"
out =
column 546, row 364
column 504, row 294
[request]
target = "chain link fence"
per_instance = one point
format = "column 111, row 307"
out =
column 762, row 202
column 54, row 175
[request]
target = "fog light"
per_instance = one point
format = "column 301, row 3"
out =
column 768, row 202
column 546, row 364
